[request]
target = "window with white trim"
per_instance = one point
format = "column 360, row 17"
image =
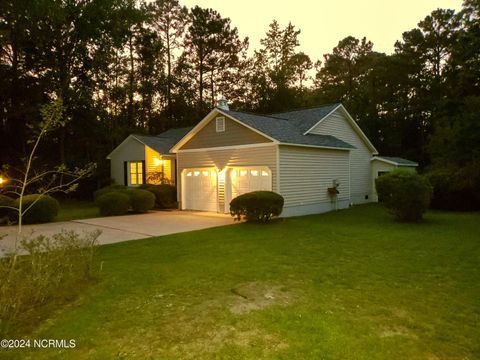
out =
column 220, row 124
column 136, row 173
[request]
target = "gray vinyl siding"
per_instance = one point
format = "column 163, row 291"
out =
column 254, row 156
column 234, row 134
column 131, row 150
column 307, row 173
column 337, row 125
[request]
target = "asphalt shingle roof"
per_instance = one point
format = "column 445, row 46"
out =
column 164, row 141
column 398, row 161
column 290, row 129
column 306, row 118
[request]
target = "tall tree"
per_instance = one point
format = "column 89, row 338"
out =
column 212, row 45
column 169, row 20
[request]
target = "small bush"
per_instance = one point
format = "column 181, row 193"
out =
column 141, row 200
column 55, row 270
column 113, row 203
column 165, row 195
column 257, row 206
column 405, row 194
column 108, row 189
column 5, row 201
column 44, row 210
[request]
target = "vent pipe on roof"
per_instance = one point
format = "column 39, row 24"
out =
column 222, row 104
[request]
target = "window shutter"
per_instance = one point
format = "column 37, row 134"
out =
column 125, row 174
column 144, row 172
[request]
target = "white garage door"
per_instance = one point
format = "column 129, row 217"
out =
column 250, row 179
column 199, row 189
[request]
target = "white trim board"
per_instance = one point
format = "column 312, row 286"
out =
column 246, row 146
column 379, row 158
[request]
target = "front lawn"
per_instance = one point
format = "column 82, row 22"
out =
column 76, row 209
column 352, row 284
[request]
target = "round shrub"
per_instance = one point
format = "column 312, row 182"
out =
column 108, row 189
column 5, row 201
column 141, row 200
column 257, row 206
column 113, row 203
column 405, row 194
column 44, row 209
column 165, row 195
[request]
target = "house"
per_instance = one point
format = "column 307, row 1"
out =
column 140, row 159
column 302, row 155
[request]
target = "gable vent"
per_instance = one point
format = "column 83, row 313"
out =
column 220, row 124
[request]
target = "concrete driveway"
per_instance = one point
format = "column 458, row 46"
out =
column 122, row 228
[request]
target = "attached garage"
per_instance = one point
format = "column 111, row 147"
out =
column 207, row 189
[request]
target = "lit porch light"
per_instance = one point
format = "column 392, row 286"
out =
column 157, row 162
column 2, row 180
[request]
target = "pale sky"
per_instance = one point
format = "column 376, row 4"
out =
column 325, row 23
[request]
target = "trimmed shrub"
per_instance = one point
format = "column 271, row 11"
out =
column 5, row 201
column 405, row 194
column 44, row 210
column 257, row 206
column 113, row 203
column 141, row 200
column 108, row 189
column 165, row 195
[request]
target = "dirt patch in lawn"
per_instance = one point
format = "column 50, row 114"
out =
column 260, row 295
column 396, row 330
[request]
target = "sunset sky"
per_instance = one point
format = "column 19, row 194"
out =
column 324, row 23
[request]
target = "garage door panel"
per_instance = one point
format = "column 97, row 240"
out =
column 200, row 189
column 246, row 180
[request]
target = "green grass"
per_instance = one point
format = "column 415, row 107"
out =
column 352, row 284
column 76, row 209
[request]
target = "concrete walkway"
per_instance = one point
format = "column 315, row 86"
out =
column 122, row 228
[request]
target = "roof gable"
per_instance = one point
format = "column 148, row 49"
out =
column 340, row 109
column 234, row 133
column 161, row 143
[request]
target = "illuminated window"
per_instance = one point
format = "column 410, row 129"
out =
column 254, row 172
column 196, row 173
column 264, row 173
column 243, row 172
column 189, row 173
column 220, row 124
column 205, row 173
column 136, row 173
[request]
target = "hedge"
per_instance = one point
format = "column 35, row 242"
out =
column 108, row 189
column 259, row 206
column 113, row 203
column 5, row 201
column 165, row 195
column 44, row 210
column 141, row 200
